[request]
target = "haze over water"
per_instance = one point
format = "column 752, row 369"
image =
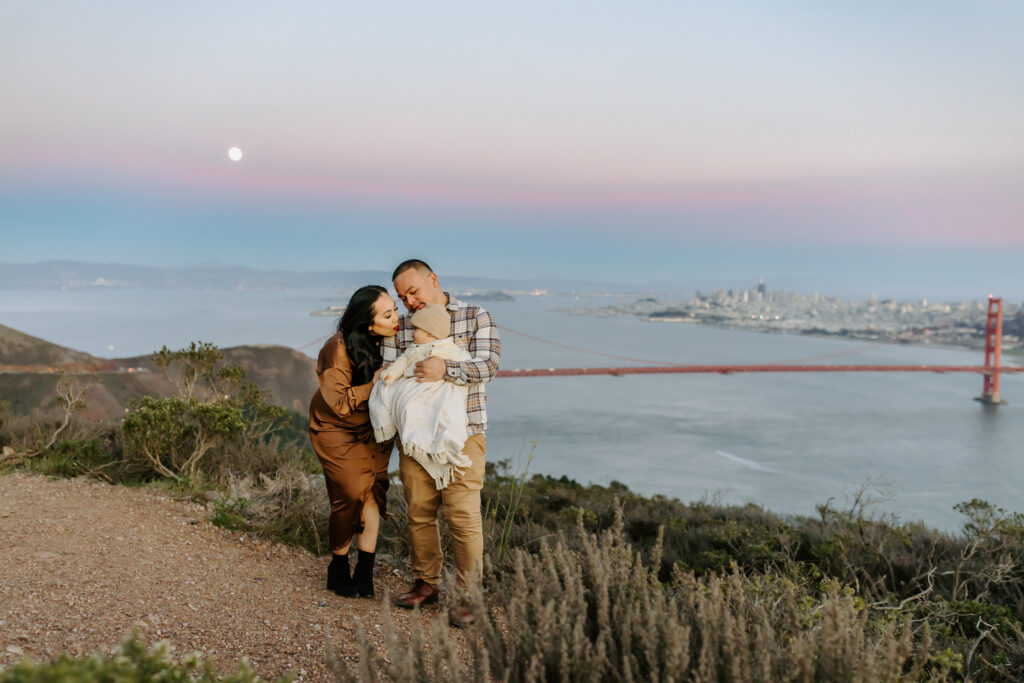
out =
column 785, row 441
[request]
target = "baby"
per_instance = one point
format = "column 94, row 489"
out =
column 429, row 417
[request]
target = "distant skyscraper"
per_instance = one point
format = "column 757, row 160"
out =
column 760, row 285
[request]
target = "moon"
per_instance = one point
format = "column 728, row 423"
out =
column 235, row 154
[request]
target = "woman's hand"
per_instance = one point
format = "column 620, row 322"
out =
column 376, row 376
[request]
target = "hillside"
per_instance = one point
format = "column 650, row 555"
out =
column 29, row 374
column 20, row 349
column 289, row 375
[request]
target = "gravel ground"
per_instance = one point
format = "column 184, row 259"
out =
column 82, row 563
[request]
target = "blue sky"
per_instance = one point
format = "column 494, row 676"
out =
column 831, row 145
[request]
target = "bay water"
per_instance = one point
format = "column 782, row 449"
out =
column 915, row 442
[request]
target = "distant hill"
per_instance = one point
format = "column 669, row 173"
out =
column 289, row 375
column 28, row 384
column 18, row 348
column 86, row 275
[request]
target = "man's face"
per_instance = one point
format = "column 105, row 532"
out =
column 415, row 288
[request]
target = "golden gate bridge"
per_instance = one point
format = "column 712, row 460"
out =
column 990, row 371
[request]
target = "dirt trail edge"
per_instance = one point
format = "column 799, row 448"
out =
column 82, row 563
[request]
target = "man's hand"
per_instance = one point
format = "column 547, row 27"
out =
column 430, row 370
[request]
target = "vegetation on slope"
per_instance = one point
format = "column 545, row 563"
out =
column 590, row 582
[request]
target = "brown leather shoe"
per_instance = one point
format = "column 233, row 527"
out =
column 421, row 593
column 460, row 616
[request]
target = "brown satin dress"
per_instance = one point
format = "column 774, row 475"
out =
column 355, row 465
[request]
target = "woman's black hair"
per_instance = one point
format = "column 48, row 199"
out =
column 362, row 346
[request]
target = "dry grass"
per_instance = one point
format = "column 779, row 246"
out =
column 600, row 614
column 290, row 505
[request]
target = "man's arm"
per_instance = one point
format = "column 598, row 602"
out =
column 411, row 356
column 485, row 351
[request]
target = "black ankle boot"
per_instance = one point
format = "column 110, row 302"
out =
column 339, row 579
column 363, row 577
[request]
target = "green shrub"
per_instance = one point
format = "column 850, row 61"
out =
column 132, row 663
column 73, row 458
column 5, row 415
column 218, row 425
column 172, row 436
column 228, row 512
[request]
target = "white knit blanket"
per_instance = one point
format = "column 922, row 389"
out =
column 429, row 417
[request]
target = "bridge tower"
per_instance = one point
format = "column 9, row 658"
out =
column 993, row 352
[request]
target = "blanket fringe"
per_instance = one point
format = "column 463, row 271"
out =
column 443, row 467
column 382, row 434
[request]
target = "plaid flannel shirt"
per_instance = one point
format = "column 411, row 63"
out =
column 473, row 329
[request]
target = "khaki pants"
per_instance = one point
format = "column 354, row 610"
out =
column 461, row 500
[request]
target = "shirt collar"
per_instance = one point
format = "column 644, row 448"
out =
column 453, row 303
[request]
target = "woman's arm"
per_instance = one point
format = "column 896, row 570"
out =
column 336, row 385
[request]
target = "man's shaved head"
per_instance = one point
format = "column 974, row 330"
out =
column 412, row 263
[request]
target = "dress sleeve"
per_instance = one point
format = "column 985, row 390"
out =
column 336, row 385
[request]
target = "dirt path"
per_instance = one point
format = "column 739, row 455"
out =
column 82, row 563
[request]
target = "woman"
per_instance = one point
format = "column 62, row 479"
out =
column 355, row 466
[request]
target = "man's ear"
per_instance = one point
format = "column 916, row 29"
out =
column 433, row 280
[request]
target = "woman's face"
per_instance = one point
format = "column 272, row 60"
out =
column 385, row 317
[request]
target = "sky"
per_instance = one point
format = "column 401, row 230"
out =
column 859, row 147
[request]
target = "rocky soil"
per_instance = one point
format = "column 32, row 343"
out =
column 83, row 563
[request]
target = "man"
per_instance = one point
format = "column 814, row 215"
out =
column 474, row 330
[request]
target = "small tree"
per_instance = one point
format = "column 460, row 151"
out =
column 216, row 408
column 187, row 367
column 71, row 397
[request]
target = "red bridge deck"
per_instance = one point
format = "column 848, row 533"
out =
column 730, row 369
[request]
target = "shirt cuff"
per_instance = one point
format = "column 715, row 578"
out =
column 453, row 372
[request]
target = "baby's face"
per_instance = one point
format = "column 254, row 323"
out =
column 421, row 336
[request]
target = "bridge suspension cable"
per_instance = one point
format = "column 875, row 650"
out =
column 991, row 370
column 831, row 354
